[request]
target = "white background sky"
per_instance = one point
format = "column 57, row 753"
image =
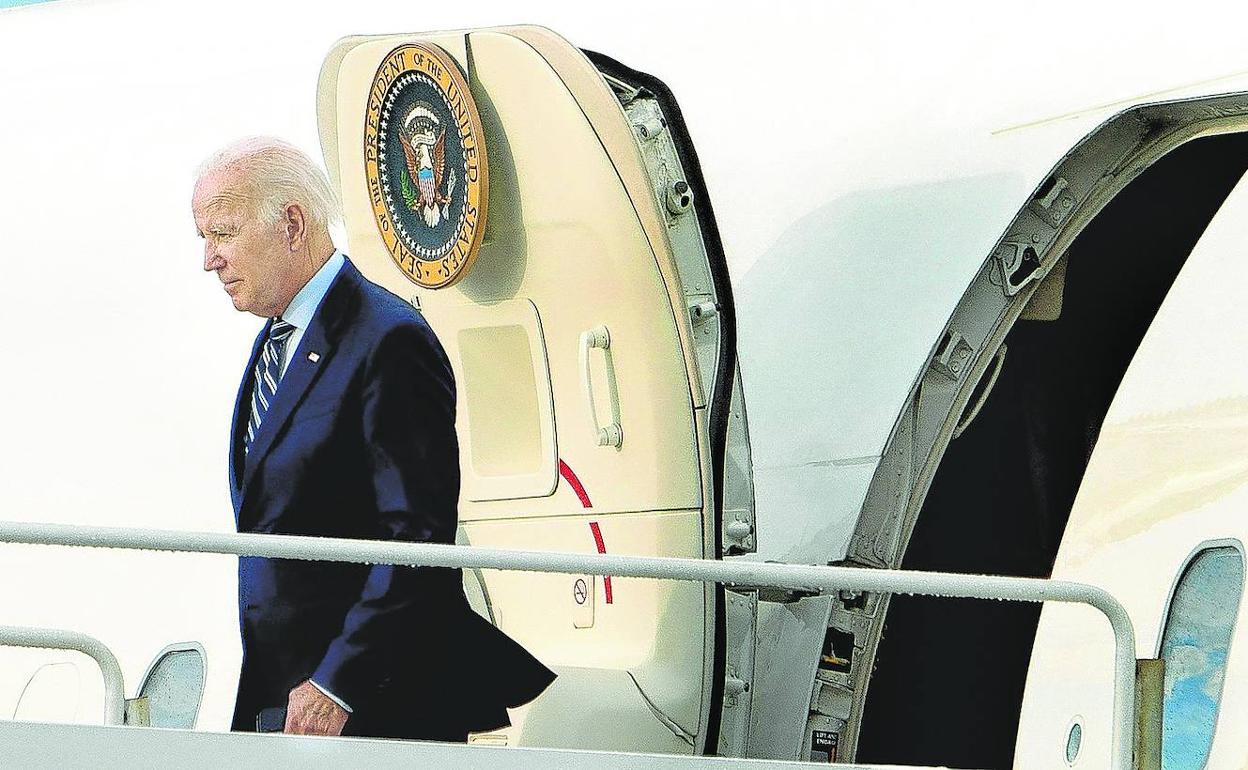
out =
column 120, row 357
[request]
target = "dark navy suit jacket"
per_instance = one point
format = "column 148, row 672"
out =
column 361, row 443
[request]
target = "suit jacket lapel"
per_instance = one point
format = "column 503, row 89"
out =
column 301, row 371
column 242, row 413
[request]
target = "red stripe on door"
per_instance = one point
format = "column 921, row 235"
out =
column 602, row 548
column 575, row 483
column 579, row 488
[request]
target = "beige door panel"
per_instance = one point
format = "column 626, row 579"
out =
column 649, row 628
column 603, row 111
column 570, row 325
column 563, row 234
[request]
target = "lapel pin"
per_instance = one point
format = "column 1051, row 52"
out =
column 314, row 357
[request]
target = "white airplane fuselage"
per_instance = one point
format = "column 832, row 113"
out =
column 877, row 183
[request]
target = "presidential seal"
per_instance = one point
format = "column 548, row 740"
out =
column 424, row 159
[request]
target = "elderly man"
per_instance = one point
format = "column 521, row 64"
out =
column 344, row 426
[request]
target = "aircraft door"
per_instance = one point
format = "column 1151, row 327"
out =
column 583, row 391
column 172, row 689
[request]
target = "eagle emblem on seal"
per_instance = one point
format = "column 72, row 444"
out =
column 424, row 150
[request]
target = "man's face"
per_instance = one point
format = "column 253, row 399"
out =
column 252, row 258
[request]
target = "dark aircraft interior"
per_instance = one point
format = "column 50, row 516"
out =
column 950, row 674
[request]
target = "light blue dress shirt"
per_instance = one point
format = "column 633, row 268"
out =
column 301, row 309
column 299, row 315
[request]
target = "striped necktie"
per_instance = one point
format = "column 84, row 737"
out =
column 268, row 373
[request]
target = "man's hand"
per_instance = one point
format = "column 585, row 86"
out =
column 310, row 712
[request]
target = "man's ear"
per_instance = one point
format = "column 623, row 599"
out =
column 296, row 227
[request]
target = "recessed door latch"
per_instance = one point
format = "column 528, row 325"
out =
column 1020, row 265
column 953, row 355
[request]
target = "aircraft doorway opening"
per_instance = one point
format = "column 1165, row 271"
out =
column 1002, row 494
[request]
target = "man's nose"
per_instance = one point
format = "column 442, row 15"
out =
column 212, row 260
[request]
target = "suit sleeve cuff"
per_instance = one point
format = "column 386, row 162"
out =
column 331, row 696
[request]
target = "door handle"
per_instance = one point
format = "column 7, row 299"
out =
column 613, row 433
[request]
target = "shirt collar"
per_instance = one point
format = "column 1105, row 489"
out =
column 303, row 306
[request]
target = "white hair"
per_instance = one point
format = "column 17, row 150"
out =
column 277, row 174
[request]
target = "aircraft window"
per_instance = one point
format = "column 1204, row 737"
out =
column 1194, row 647
column 1074, row 741
column 507, row 428
column 51, row 695
column 174, row 685
column 502, row 401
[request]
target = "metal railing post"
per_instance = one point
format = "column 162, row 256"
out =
column 57, row 639
column 1150, row 686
